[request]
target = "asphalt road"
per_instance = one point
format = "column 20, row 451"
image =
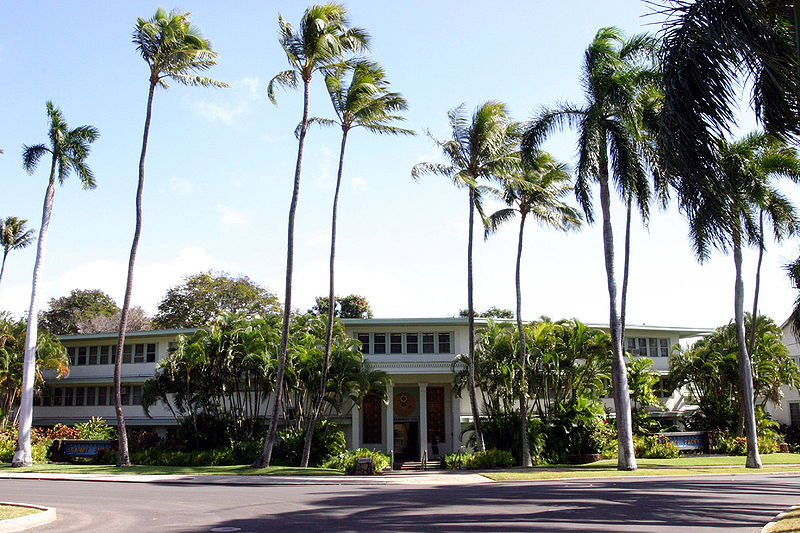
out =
column 696, row 504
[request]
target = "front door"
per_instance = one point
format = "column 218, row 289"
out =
column 406, row 441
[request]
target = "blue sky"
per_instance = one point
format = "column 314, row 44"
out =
column 220, row 164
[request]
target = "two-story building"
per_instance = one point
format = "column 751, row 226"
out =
column 417, row 353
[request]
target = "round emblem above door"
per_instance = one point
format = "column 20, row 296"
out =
column 404, row 404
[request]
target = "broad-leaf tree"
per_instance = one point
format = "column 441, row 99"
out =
column 69, row 315
column 322, row 41
column 13, row 236
column 68, row 150
column 615, row 73
column 483, row 147
column 537, row 190
column 173, row 50
column 361, row 98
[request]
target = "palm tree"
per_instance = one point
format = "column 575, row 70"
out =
column 13, row 236
column 615, row 73
column 69, row 149
column 708, row 46
column 747, row 191
column 173, row 49
column 483, row 147
column 537, row 191
column 365, row 102
column 321, row 42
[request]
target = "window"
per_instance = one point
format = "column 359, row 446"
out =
column 138, row 353
column 652, row 347
column 58, row 395
column 396, row 343
column 371, row 416
column 363, row 338
column 664, row 348
column 90, row 395
column 380, row 343
column 102, row 396
column 427, row 343
column 69, row 392
column 92, row 355
column 80, row 393
column 125, row 394
column 126, row 353
column 81, row 356
column 647, row 347
column 794, row 413
column 71, row 355
column 137, row 395
column 104, row 355
column 113, row 354
column 412, row 340
column 151, row 353
column 444, row 345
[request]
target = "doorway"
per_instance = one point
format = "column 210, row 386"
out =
column 406, row 441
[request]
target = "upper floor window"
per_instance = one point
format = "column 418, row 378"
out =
column 409, row 343
column 103, row 355
column 647, row 347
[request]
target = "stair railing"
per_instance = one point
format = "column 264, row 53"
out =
column 424, row 459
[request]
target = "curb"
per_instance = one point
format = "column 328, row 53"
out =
column 22, row 523
column 779, row 516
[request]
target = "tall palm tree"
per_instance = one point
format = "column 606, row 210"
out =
column 484, row 146
column 615, row 73
column 173, row 49
column 708, row 45
column 68, row 149
column 747, row 192
column 13, row 236
column 538, row 190
column 321, row 42
column 365, row 102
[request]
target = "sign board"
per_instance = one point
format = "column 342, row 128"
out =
column 688, row 440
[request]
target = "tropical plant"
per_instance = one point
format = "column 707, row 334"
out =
column 362, row 101
column 482, row 147
column 615, row 74
column 643, row 380
column 50, row 355
column 321, row 42
column 68, row 149
column 173, row 50
column 537, row 189
column 729, row 223
column 350, row 306
column 13, row 236
column 71, row 314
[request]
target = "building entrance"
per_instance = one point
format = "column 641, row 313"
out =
column 406, row 441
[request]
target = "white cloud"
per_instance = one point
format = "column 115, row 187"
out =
column 229, row 216
column 358, row 183
column 180, row 186
column 229, row 105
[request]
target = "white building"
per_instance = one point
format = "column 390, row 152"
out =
column 417, row 353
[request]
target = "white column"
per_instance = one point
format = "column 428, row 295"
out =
column 355, row 427
column 456, row 424
column 390, row 419
column 423, row 419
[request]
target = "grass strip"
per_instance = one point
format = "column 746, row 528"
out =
column 232, row 470
column 8, row 512
column 789, row 522
column 566, row 473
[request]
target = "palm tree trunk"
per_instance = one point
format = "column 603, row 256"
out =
column 3, row 267
column 323, row 381
column 22, row 456
column 752, row 344
column 473, row 400
column 262, row 461
column 123, row 459
column 523, row 383
column 619, row 375
column 623, row 302
column 745, row 369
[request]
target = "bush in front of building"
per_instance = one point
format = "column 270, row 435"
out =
column 96, row 429
column 655, row 447
column 40, row 444
column 328, row 442
column 454, row 461
column 348, row 460
column 501, row 431
column 491, row 458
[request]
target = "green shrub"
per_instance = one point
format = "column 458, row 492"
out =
column 502, row 431
column 347, row 461
column 329, row 441
column 158, row 456
column 40, row 445
column 490, row 459
column 7, row 448
column 454, row 461
column 95, row 429
column 655, row 447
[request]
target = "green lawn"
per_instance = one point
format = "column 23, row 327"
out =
column 234, row 470
column 15, row 511
column 790, row 522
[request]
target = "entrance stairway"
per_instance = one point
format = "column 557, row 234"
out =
column 417, row 465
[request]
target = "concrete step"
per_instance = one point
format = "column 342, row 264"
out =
column 417, row 465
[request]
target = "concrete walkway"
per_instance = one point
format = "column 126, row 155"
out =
column 417, row 478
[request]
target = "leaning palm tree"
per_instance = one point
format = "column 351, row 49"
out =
column 173, row 49
column 538, row 190
column 321, row 42
column 747, row 193
column 615, row 73
column 484, row 146
column 365, row 102
column 13, row 236
column 68, row 149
